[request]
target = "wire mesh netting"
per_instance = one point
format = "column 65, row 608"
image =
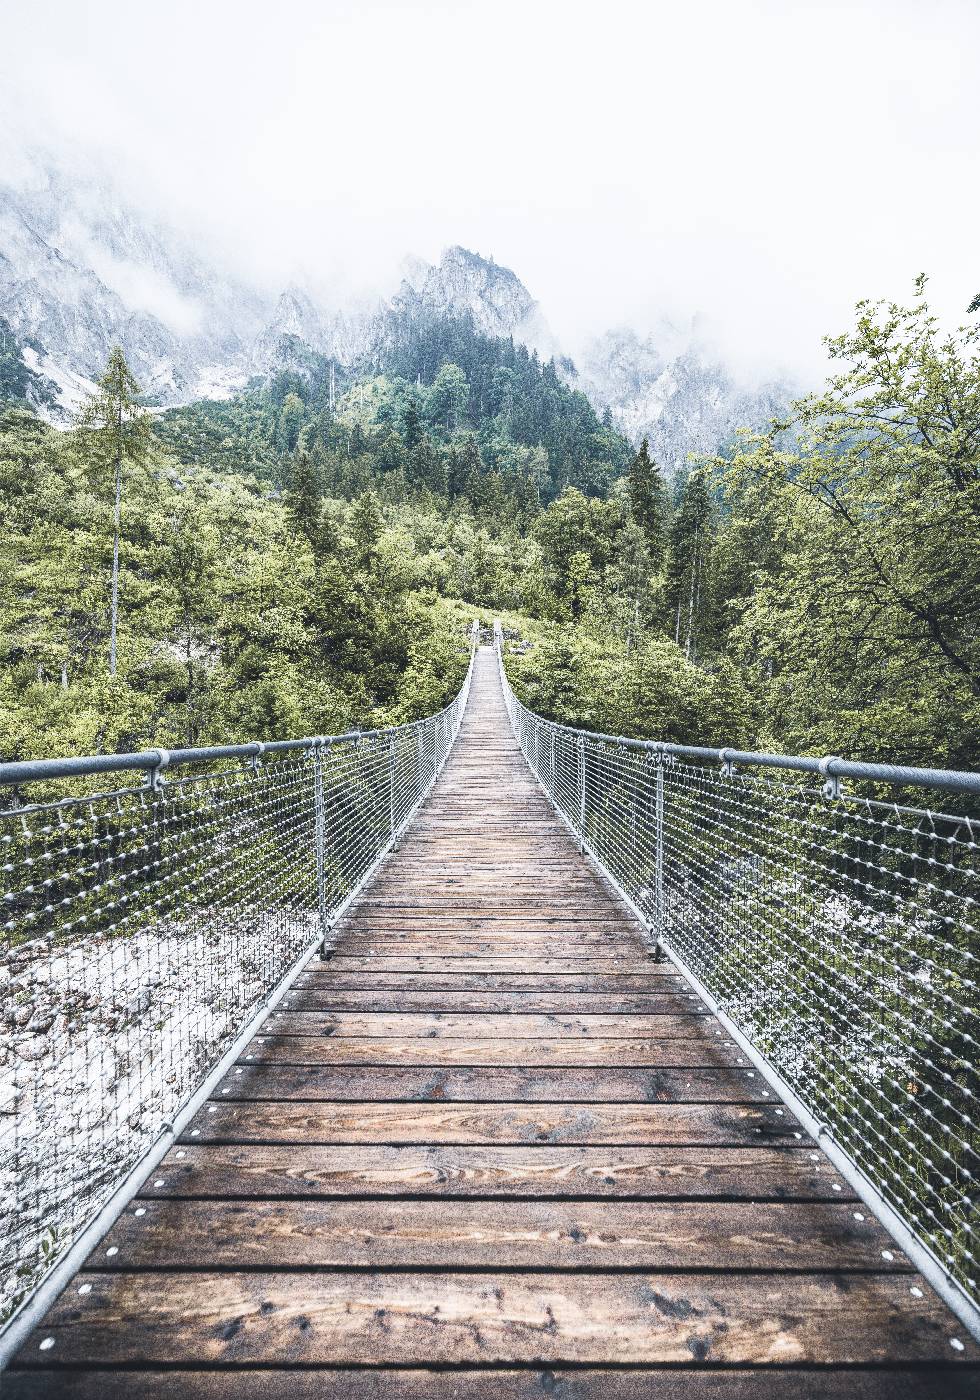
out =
column 839, row 932
column 144, row 929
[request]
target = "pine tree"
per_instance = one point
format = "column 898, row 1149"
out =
column 411, row 423
column 647, row 497
column 116, row 430
column 304, row 498
column 366, row 523
column 688, row 582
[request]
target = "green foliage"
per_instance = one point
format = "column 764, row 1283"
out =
column 648, row 499
column 860, row 629
column 289, row 567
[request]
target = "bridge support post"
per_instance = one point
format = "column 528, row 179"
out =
column 320, row 845
column 391, row 790
column 581, row 805
column 658, row 826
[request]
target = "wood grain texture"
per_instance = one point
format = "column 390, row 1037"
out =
column 490, row 1147
column 467, row 1083
column 450, row 1025
column 712, row 1125
column 675, row 1003
column 500, row 1050
column 641, row 1173
column 532, row 1383
column 495, row 1235
column 393, row 1318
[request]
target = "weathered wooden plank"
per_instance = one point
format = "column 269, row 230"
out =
column 319, row 978
column 379, row 1001
column 304, row 1318
column 708, row 1124
column 615, row 963
column 757, row 1173
column 388, row 1383
column 499, row 1050
column 179, row 1234
column 449, row 1025
column 471, row 1084
column 527, row 949
column 464, row 903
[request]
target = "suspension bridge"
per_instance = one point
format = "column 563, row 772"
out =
column 481, row 1057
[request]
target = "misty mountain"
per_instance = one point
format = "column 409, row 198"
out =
column 81, row 271
column 670, row 389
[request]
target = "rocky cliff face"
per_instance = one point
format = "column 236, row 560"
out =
column 671, row 390
column 80, row 272
column 466, row 284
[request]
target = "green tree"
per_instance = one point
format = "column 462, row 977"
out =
column 868, row 623
column 449, row 398
column 648, row 500
column 116, row 431
column 304, row 498
column 688, row 563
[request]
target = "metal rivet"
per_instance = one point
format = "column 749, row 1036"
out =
column 195, row 1132
column 212, row 1109
column 47, row 1343
column 779, row 1113
column 835, row 1187
column 858, row 1215
column 954, row 1342
column 181, row 1154
column 916, row 1292
column 85, row 1288
column 141, row 1211
column 887, row 1254
column 113, row 1249
column 224, row 1091
column 161, row 1182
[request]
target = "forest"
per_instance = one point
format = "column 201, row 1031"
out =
column 303, row 558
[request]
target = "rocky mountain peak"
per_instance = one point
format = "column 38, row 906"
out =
column 81, row 271
column 464, row 283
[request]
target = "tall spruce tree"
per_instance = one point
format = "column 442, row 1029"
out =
column 648, row 500
column 688, row 563
column 116, row 431
column 304, row 498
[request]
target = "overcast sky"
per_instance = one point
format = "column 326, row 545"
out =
column 760, row 164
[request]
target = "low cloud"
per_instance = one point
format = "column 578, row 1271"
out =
column 759, row 166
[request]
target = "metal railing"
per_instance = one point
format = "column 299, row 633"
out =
column 146, row 932
column 836, row 935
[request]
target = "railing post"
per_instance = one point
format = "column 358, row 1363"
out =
column 320, row 843
column 659, row 911
column 581, row 805
column 391, row 787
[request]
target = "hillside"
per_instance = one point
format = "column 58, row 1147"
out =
column 82, row 270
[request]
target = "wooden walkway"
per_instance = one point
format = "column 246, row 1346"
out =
column 491, row 1149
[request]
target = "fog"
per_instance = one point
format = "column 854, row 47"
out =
column 757, row 166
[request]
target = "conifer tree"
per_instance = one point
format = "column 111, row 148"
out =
column 647, row 497
column 116, row 431
column 304, row 498
column 687, row 566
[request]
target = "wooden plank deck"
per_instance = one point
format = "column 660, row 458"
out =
column 490, row 1148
